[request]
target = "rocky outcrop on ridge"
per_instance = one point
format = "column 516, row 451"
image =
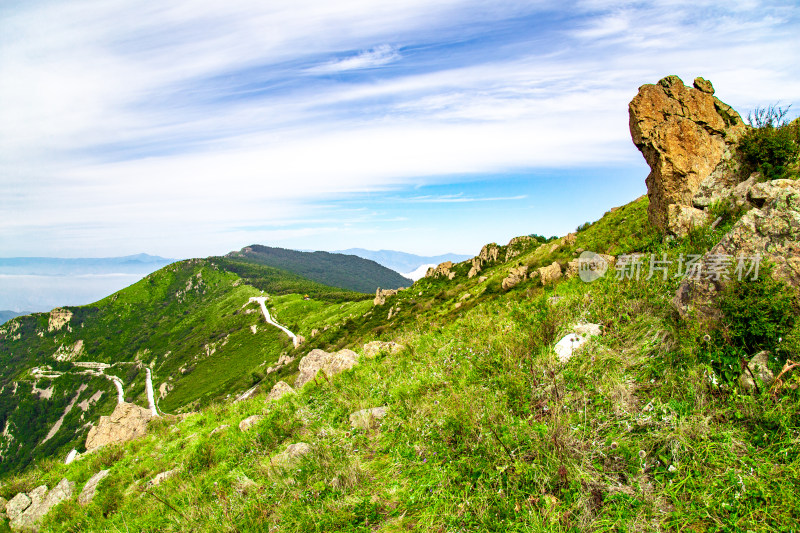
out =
column 382, row 294
column 442, row 270
column 687, row 137
column 25, row 511
column 127, row 422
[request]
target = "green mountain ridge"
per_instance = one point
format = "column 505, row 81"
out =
column 346, row 271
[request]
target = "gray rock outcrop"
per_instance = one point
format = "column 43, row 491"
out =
column 382, row 294
column 758, row 365
column 515, row 276
column 550, row 273
column 40, row 501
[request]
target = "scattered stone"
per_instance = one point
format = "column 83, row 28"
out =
column 371, row 349
column 249, row 422
column 219, row 429
column 244, row 485
column 41, row 501
column 91, row 487
column 567, row 346
column 162, row 477
column 279, row 390
column 684, row 134
column 289, row 457
column 758, row 366
column 515, row 276
column 482, row 279
column 329, row 363
column 250, row 393
column 368, row 418
column 550, row 273
column 127, row 422
column 71, row 456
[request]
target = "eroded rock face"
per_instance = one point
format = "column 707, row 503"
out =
column 127, row 422
column 442, row 270
column 329, row 363
column 685, row 134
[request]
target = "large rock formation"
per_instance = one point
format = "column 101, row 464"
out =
column 127, row 422
column 515, row 276
column 382, row 294
column 687, row 137
column 329, row 363
column 89, row 490
column 442, row 270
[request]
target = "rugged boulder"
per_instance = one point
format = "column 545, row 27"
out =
column 249, row 422
column 515, row 276
column 550, row 273
column 759, row 368
column 442, row 270
column 581, row 333
column 289, row 457
column 329, row 363
column 687, row 136
column 40, row 502
column 127, row 422
column 371, row 349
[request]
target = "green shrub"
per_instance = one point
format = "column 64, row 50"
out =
column 773, row 145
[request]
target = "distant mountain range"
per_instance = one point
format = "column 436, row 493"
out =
column 5, row 316
column 60, row 266
column 403, row 262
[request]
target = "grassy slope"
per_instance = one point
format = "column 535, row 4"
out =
column 186, row 322
column 486, row 429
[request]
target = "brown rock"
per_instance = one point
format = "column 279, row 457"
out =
column 682, row 219
column 684, row 134
column 127, row 422
column 381, row 295
column 550, row 273
column 371, row 349
column 249, row 422
column 279, row 390
column 329, row 363
column 702, row 84
column 515, row 276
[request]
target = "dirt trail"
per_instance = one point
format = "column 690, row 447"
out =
column 268, row 318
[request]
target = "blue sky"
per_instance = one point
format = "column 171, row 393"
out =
column 192, row 128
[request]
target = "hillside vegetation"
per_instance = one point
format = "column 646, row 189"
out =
column 486, row 429
column 337, row 270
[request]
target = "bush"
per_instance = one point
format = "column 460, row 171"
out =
column 758, row 313
column 773, row 145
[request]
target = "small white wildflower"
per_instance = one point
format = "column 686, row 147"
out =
column 672, row 468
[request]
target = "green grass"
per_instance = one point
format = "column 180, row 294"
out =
column 486, row 431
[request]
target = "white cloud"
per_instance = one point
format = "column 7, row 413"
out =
column 376, row 57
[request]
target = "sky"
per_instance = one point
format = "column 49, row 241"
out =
column 193, row 128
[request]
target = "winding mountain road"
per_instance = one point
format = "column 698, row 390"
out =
column 268, row 318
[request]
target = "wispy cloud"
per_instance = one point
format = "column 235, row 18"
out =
column 172, row 128
column 376, row 57
column 458, row 199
